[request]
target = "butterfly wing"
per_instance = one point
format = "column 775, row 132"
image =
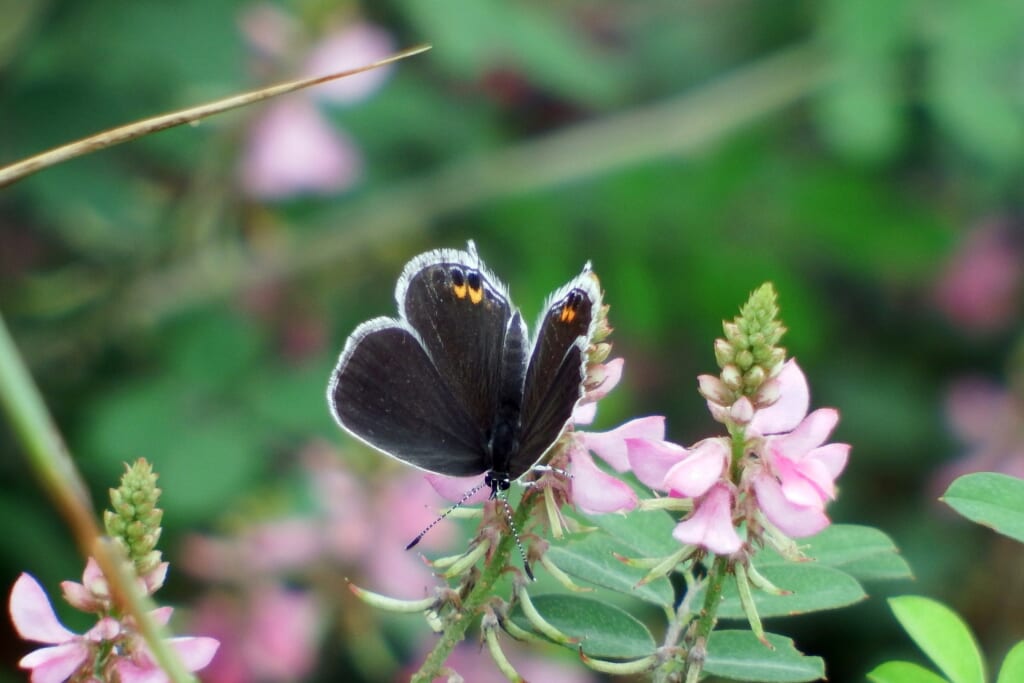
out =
column 387, row 393
column 461, row 313
column 557, row 369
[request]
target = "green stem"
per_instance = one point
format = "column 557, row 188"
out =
column 49, row 458
column 708, row 617
column 455, row 630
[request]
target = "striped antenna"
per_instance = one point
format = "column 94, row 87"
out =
column 515, row 535
column 462, row 501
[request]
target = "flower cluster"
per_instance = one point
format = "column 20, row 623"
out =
column 770, row 478
column 113, row 649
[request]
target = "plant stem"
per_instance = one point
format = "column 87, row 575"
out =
column 455, row 627
column 49, row 458
column 708, row 617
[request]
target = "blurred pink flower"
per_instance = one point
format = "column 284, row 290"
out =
column 980, row 288
column 291, row 149
column 271, row 635
column 353, row 46
column 69, row 653
column 989, row 420
column 475, row 665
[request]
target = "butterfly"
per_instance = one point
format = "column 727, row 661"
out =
column 455, row 385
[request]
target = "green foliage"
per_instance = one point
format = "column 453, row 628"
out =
column 738, row 655
column 599, row 629
column 990, row 499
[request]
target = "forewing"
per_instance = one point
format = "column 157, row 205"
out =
column 460, row 312
column 386, row 392
column 554, row 379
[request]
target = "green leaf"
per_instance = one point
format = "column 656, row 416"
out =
column 942, row 635
column 1013, row 665
column 903, row 672
column 812, row 588
column 990, row 499
column 648, row 533
column 863, row 552
column 591, row 558
column 602, row 630
column 741, row 656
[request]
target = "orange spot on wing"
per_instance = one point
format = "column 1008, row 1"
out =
column 476, row 295
column 460, row 290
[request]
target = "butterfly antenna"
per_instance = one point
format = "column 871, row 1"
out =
column 515, row 535
column 462, row 501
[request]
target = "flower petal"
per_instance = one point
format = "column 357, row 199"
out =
column 699, row 470
column 611, row 445
column 584, row 413
column 455, row 488
column 594, row 491
column 358, row 44
column 610, row 374
column 291, row 149
column 833, row 456
column 812, row 432
column 710, row 525
column 33, row 615
column 130, row 672
column 195, row 652
column 651, row 460
column 794, row 399
column 793, row 520
column 55, row 664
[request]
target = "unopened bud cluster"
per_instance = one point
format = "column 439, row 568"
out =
column 749, row 358
column 134, row 522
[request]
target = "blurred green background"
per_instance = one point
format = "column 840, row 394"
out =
column 183, row 297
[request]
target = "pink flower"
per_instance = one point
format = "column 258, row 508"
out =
column 271, row 636
column 797, row 469
column 711, row 525
column 595, row 491
column 989, row 420
column 69, row 653
column 293, row 150
column 981, row 286
column 355, row 45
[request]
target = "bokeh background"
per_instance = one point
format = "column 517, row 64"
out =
column 183, row 297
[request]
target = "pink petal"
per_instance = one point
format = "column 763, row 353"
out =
column 195, row 652
column 130, row 672
column 32, row 614
column 792, row 520
column 357, row 45
column 710, row 524
column 651, row 460
column 79, row 597
column 154, row 580
column 790, row 409
column 595, row 491
column 833, row 456
column 584, row 413
column 93, row 579
column 698, row 471
column 812, row 432
column 281, row 642
column 610, row 374
column 454, row 488
column 797, row 487
column 162, row 615
column 106, row 628
column 611, row 445
column 293, row 150
column 55, row 664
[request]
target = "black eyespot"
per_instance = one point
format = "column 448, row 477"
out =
column 458, row 277
column 474, row 279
